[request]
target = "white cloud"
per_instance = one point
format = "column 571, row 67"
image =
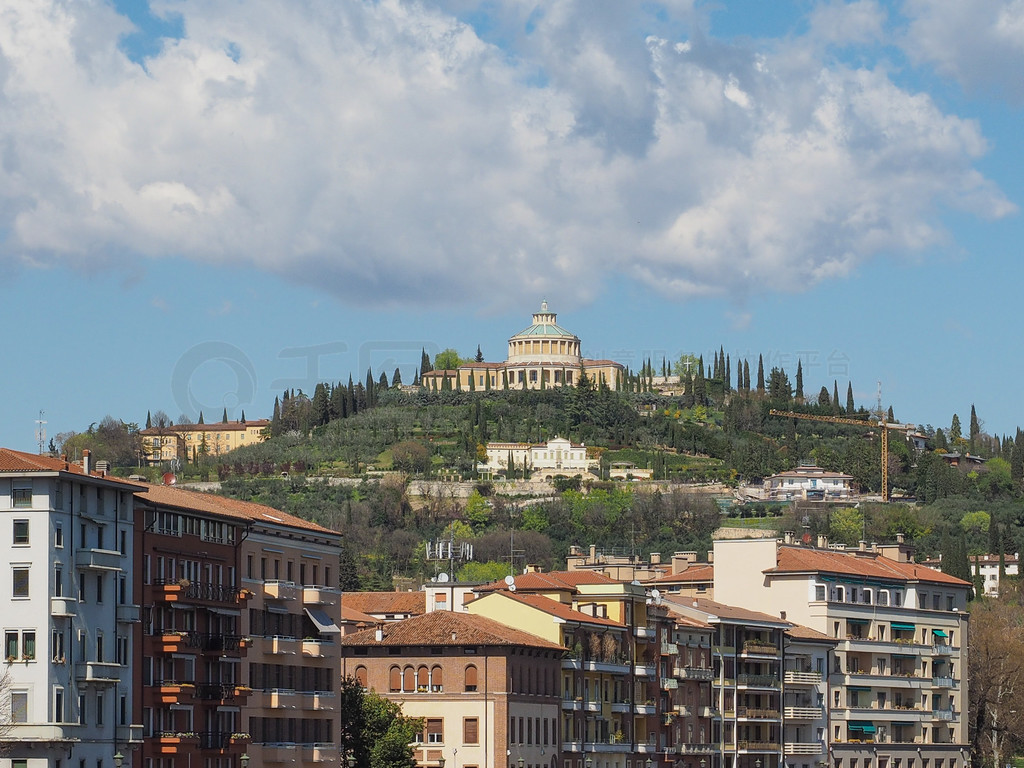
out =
column 384, row 152
column 978, row 42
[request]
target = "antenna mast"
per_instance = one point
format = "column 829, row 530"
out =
column 41, row 431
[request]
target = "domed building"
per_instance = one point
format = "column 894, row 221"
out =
column 542, row 355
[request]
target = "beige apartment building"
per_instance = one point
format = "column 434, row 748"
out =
column 188, row 442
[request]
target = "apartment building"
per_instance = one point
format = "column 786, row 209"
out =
column 189, row 442
column 897, row 679
column 69, row 608
column 488, row 693
column 240, row 630
column 687, row 674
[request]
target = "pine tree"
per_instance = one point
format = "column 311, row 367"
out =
column 954, row 430
column 425, row 364
column 850, row 406
column 149, row 420
column 760, row 374
column 799, row 381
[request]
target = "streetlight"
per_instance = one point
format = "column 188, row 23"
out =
column 244, row 760
column 520, row 761
column 703, row 763
column 757, row 763
column 351, row 760
column 440, row 762
column 118, row 759
column 649, row 762
column 588, row 762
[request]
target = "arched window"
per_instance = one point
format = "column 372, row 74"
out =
column 422, row 679
column 395, row 680
column 361, row 675
column 436, row 680
column 408, row 679
column 470, row 677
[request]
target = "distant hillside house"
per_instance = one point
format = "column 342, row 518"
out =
column 541, row 356
column 555, row 457
column 809, row 483
column 186, row 441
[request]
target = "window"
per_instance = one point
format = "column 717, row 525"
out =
column 99, row 587
column 21, row 495
column 99, row 708
column 19, row 583
column 819, row 592
column 19, row 706
column 436, row 680
column 470, row 730
column 58, row 705
column 361, row 675
column 58, row 581
column 11, row 645
column 28, row 644
column 435, row 730
column 471, row 678
column 949, row 602
column 395, row 680
column 422, row 679
column 936, row 598
column 21, row 533
column 58, row 535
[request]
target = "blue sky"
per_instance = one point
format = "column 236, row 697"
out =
column 201, row 207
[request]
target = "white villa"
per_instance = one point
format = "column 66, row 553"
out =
column 557, row 456
column 809, row 483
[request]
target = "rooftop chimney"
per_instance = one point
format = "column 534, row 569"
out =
column 787, row 537
column 900, row 538
column 379, row 634
column 85, row 460
column 862, row 545
column 593, row 553
column 822, row 541
column 655, row 558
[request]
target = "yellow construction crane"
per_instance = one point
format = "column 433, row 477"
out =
column 884, row 426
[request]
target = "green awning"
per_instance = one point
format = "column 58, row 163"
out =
column 858, row 621
column 858, row 687
column 938, row 633
column 905, row 627
column 859, row 725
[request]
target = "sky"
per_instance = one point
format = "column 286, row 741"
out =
column 205, row 202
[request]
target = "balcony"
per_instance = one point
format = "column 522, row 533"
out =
column 169, row 743
column 319, row 753
column 942, row 649
column 645, row 633
column 669, row 683
column 709, row 712
column 315, row 595
column 943, row 714
column 281, row 698
column 645, row 709
column 572, row 746
column 683, row 710
column 757, row 681
column 98, row 672
column 803, row 713
column 792, row 677
column 592, row 706
column 759, row 648
column 63, row 607
column 317, row 648
column 669, row 649
column 752, row 713
column 643, row 669
column 280, row 590
column 757, row 746
column 129, row 734
column 693, row 673
column 611, row 667
column 98, row 559
column 621, row 706
column 279, row 753
column 796, row 748
column 324, row 701
column 280, row 644
column 128, row 614
column 611, row 746
column 572, row 705
column 696, row 749
column 174, row 691
column 215, row 691
column 943, row 682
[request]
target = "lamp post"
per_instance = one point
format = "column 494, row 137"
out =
column 649, row 762
column 440, row 762
column 589, row 762
column 520, row 761
column 244, row 760
column 118, row 759
column 350, row 759
column 703, row 763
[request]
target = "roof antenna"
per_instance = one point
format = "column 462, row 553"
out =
column 41, row 431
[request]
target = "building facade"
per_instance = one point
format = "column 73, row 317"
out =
column 190, row 442
column 69, row 610
column 557, row 456
column 541, row 356
column 809, row 483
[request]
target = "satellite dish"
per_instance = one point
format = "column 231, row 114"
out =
column 511, row 587
column 656, row 594
column 510, row 580
column 442, row 577
column 170, row 478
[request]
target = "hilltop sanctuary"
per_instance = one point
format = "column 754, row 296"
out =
column 543, row 355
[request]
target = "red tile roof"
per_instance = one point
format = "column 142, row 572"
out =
column 700, row 572
column 407, row 603
column 800, row 632
column 170, row 496
column 217, row 426
column 17, row 461
column 806, row 560
column 561, row 610
column 555, row 580
column 731, row 612
column 448, row 628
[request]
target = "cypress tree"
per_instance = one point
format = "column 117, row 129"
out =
column 760, row 374
column 849, row 398
column 224, row 418
column 954, row 429
column 396, row 380
column 504, row 380
column 940, row 440
column 739, row 376
column 369, row 388
column 835, row 397
column 425, row 365
column 746, row 376
column 242, row 420
column 383, row 383
column 149, row 420
column 728, row 374
column 799, row 381
column 823, row 396
column 890, row 416
column 200, row 418
column 975, row 430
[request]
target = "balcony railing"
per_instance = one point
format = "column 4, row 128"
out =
column 943, row 714
column 752, row 713
column 280, row 590
column 696, row 749
column 317, row 595
column 99, row 559
column 809, row 748
column 693, row 673
column 760, row 647
column 99, row 672
column 758, row 681
column 215, row 691
column 942, row 649
column 803, row 713
column 758, row 746
column 793, row 677
column 943, row 682
column 175, row 590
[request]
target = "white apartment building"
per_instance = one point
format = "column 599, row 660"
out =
column 809, row 483
column 897, row 679
column 557, row 456
column 68, row 611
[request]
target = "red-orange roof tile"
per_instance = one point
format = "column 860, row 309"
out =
column 806, row 560
column 448, row 628
column 18, row 461
column 701, row 572
column 408, row 603
column 171, row 496
column 561, row 610
column 553, row 580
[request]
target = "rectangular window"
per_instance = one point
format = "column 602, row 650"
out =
column 58, row 581
column 11, row 645
column 819, row 592
column 470, row 730
column 99, row 587
column 58, row 705
column 99, row 708
column 21, row 533
column 19, row 706
column 434, row 730
column 21, row 495
column 19, row 582
column 81, row 709
column 58, row 535
column 28, row 644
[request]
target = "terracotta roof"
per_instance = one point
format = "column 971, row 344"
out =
column 804, row 559
column 448, row 628
column 687, row 621
column 588, row 362
column 351, row 615
column 170, row 496
column 561, row 610
column 731, row 612
column 698, row 572
column 410, row 603
column 800, row 632
column 561, row 580
column 17, row 461
column 217, row 426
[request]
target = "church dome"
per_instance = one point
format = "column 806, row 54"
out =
column 545, row 341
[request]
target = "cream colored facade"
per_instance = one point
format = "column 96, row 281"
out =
column 898, row 678
column 190, row 441
column 555, row 457
column 540, row 356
